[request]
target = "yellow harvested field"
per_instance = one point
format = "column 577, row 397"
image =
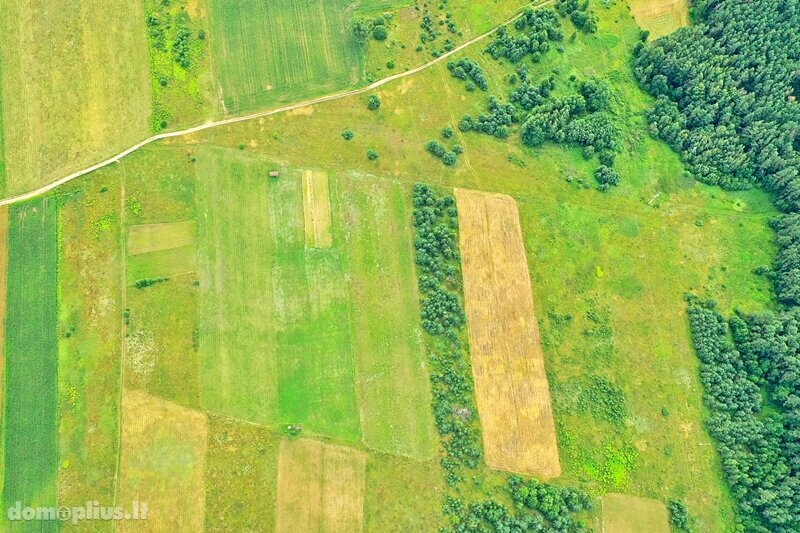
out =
column 145, row 238
column 162, row 463
column 623, row 513
column 317, row 209
column 660, row 17
column 320, row 488
column 507, row 364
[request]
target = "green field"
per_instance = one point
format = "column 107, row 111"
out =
column 386, row 336
column 62, row 108
column 268, row 53
column 364, row 7
column 31, row 364
column 90, row 341
column 275, row 344
column 162, row 344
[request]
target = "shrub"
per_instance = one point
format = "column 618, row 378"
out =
column 347, row 135
column 379, row 33
column 606, row 175
column 373, row 102
column 678, row 515
column 372, row 155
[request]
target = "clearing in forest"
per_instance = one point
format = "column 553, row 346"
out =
column 31, row 356
column 279, row 51
column 660, row 17
column 320, row 487
column 163, row 462
column 76, row 85
column 507, row 363
column 623, row 513
column 317, row 209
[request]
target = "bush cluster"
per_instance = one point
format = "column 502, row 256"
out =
column 537, row 507
column 497, row 122
column 466, row 69
column 535, row 30
column 448, row 157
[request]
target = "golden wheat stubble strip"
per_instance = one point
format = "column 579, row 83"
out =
column 508, row 367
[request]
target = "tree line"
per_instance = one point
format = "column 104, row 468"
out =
column 750, row 369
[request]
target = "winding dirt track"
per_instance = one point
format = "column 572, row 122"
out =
column 232, row 120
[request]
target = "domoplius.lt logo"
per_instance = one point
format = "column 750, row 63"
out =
column 91, row 511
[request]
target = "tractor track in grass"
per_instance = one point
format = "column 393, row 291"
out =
column 243, row 118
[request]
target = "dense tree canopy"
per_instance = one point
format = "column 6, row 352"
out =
column 726, row 94
column 752, row 387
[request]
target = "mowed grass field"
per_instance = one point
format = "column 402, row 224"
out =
column 390, row 361
column 162, row 463
column 267, row 53
column 269, row 329
column 660, row 17
column 513, row 396
column 629, row 514
column 31, row 359
column 317, row 209
column 90, row 311
column 75, row 86
column 320, row 488
column 275, row 336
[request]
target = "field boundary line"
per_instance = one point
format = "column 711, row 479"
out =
column 259, row 114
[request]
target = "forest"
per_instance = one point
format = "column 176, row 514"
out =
column 726, row 93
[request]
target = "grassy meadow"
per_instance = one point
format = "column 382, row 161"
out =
column 30, row 423
column 91, row 285
column 61, row 108
column 268, row 53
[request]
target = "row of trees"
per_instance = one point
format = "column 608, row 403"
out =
column 438, row 261
column 752, row 388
